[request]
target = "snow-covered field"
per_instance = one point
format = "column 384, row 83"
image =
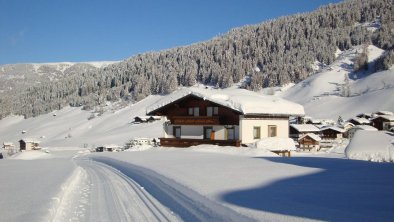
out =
column 197, row 184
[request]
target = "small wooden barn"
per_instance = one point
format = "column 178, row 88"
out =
column 298, row 130
column 29, row 144
column 309, row 141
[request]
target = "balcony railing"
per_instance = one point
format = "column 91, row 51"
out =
column 195, row 120
column 176, row 142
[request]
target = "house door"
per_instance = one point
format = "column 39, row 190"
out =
column 230, row 133
column 177, row 131
column 207, row 132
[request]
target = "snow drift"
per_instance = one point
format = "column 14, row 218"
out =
column 377, row 146
column 275, row 144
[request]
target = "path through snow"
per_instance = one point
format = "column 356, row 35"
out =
column 105, row 189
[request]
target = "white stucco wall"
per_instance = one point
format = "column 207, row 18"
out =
column 246, row 128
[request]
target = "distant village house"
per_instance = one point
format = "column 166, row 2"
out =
column 384, row 122
column 332, row 132
column 8, row 145
column 29, row 144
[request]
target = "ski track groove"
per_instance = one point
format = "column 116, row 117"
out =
column 116, row 208
column 186, row 203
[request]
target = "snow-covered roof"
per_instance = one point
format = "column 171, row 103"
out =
column 365, row 127
column 311, row 135
column 386, row 117
column 347, row 123
column 275, row 144
column 111, row 146
column 360, row 120
column 8, row 144
column 384, row 113
column 305, row 127
column 315, row 121
column 364, row 114
column 241, row 100
column 143, row 118
column 30, row 140
column 335, row 128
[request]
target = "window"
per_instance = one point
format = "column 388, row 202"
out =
column 209, row 111
column 215, row 110
column 212, row 111
column 177, row 131
column 196, row 111
column 193, row 111
column 230, row 133
column 207, row 132
column 271, row 131
column 256, row 132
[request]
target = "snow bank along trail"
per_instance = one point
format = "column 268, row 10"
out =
column 186, row 203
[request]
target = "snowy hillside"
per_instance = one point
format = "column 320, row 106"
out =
column 322, row 94
column 75, row 127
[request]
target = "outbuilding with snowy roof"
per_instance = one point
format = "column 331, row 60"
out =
column 309, row 141
column 299, row 130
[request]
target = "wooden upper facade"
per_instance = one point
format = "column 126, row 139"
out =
column 192, row 110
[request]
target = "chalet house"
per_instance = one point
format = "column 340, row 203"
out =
column 299, row 130
column 29, row 144
column 384, row 122
column 332, row 132
column 223, row 117
column 309, row 141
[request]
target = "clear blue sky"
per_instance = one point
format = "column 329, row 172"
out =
column 96, row 30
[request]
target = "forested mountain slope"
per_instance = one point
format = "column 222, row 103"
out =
column 271, row 53
column 25, row 75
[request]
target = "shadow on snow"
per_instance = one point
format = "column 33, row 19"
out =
column 345, row 190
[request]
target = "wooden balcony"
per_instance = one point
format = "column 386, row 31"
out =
column 175, row 142
column 195, row 120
